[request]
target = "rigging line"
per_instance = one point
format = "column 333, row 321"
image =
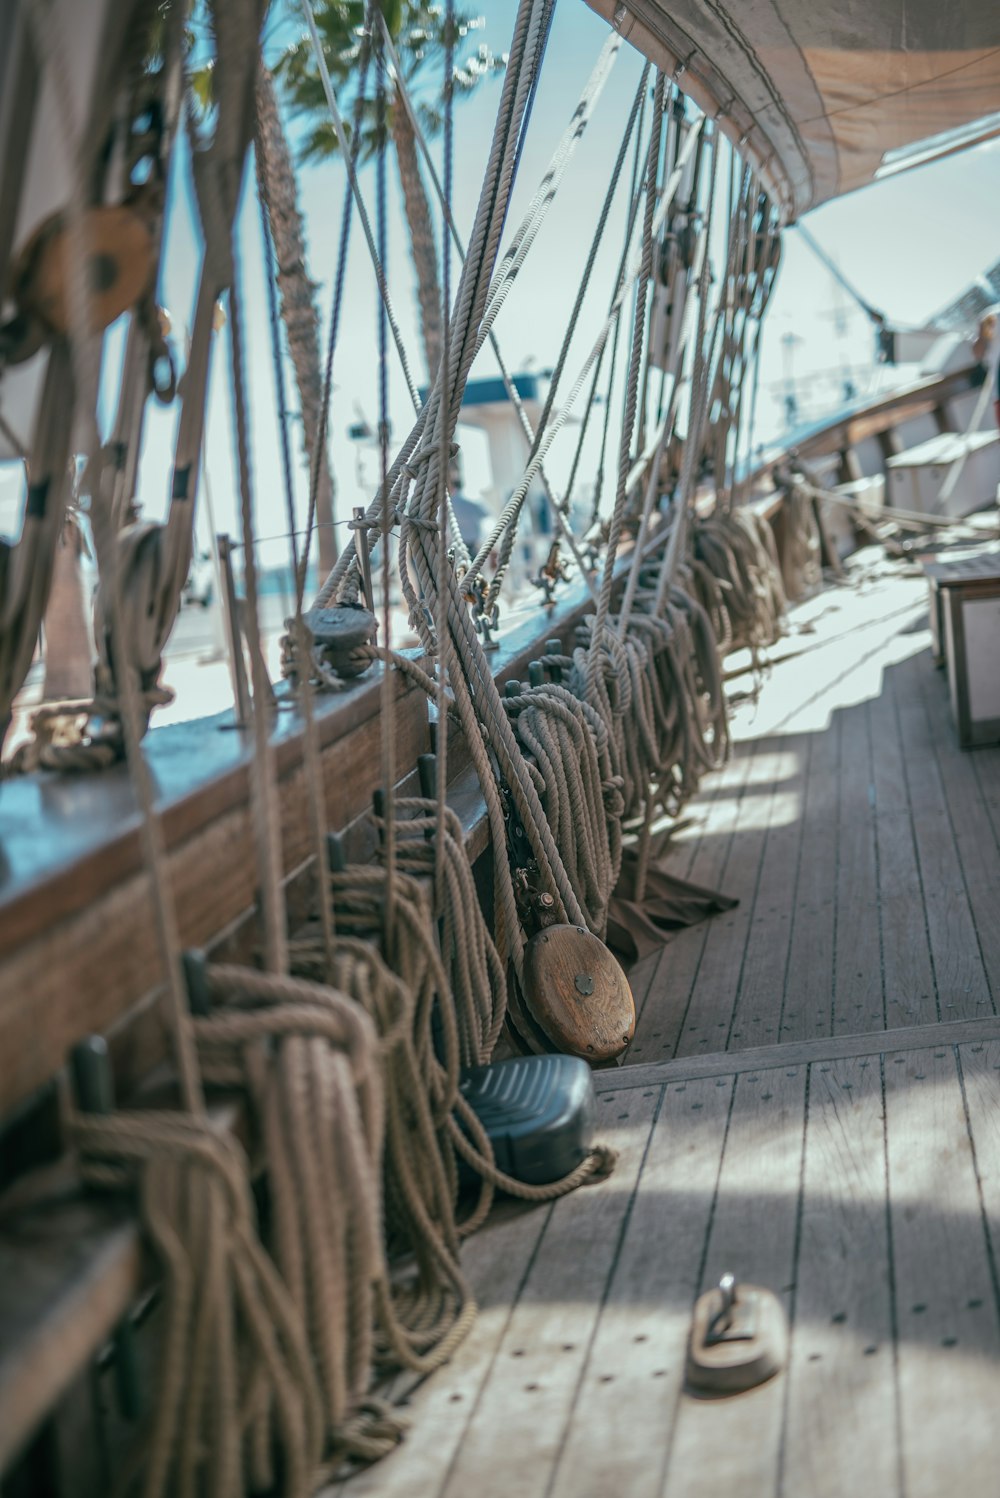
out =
column 537, row 208
column 315, row 467
column 270, row 272
column 471, row 291
column 544, row 196
column 635, row 199
column 629, row 226
column 701, row 384
column 441, row 619
column 665, row 430
column 668, row 149
column 570, row 139
column 634, row 272
column 567, row 341
column 631, row 387
column 262, row 781
column 313, row 767
column 838, row 275
column 536, row 79
column 341, row 133
column 742, row 298
column 502, row 275
column 388, row 717
column 476, row 698
column 81, row 352
column 761, row 240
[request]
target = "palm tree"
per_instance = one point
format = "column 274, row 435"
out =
column 297, row 293
column 420, row 35
column 278, row 191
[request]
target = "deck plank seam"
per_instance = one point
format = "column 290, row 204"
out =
column 837, row 848
column 928, row 745
column 738, row 990
column 794, row 912
column 897, row 1405
column 979, row 764
column 873, row 802
column 916, row 852
column 708, row 925
column 891, row 697
column 794, row 1289
column 946, row 802
column 703, row 932
column 473, row 1405
column 609, row 1280
column 991, row 1251
column 702, row 1262
column 685, row 872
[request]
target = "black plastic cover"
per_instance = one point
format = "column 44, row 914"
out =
column 539, row 1112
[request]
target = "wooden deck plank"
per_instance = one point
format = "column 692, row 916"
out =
column 732, row 1445
column 496, row 1261
column 960, row 979
column 635, row 1367
column 668, row 994
column 517, row 1425
column 807, row 1004
column 707, row 1026
column 979, row 1064
column 756, row 1016
column 976, row 849
column 910, row 991
column 858, row 1002
column 948, row 1336
column 841, row 1392
column 986, row 764
column 833, row 976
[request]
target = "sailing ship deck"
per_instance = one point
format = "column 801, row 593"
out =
column 811, row 1103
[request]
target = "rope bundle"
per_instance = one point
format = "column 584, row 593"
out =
column 737, row 549
column 580, row 789
column 473, row 971
column 309, row 1059
column 426, row 1031
column 237, row 1385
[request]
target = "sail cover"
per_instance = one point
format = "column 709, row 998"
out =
column 823, row 96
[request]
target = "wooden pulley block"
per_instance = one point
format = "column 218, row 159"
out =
column 118, row 245
column 577, row 993
column 739, row 1338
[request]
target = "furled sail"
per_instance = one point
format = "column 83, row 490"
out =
column 826, row 98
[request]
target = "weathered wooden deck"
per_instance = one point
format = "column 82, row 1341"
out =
column 861, row 842
column 811, row 1103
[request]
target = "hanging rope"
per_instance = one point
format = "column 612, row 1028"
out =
column 235, row 1372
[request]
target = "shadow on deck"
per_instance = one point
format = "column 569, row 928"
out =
column 862, row 844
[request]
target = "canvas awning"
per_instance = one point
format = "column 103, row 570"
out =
column 824, row 95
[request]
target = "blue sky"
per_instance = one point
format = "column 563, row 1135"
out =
column 909, row 244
